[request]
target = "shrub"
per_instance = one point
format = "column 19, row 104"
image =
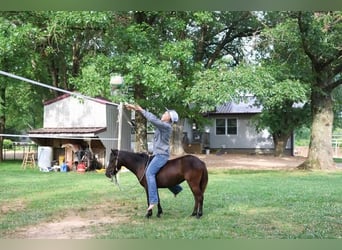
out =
column 8, row 144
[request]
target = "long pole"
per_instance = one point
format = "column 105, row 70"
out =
column 120, row 111
column 54, row 88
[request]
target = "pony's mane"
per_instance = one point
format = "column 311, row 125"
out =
column 143, row 156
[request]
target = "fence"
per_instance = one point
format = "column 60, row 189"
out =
column 337, row 145
column 18, row 150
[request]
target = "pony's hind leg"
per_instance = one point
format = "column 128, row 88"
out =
column 194, row 212
column 198, row 208
column 198, row 197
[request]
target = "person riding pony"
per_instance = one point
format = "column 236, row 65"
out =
column 161, row 150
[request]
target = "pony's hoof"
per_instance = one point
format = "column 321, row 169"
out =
column 148, row 214
column 198, row 216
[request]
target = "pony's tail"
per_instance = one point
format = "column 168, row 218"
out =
column 204, row 178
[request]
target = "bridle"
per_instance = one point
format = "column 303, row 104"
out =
column 116, row 170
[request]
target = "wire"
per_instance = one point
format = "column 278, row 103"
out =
column 56, row 136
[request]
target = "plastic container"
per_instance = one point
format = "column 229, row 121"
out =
column 44, row 158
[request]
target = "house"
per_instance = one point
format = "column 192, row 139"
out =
column 231, row 130
column 75, row 126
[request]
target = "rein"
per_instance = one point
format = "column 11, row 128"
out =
column 145, row 168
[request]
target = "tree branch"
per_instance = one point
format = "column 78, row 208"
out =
column 303, row 31
column 333, row 85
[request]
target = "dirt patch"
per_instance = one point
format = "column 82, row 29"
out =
column 252, row 162
column 12, row 206
column 74, row 225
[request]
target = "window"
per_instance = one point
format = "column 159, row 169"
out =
column 232, row 126
column 226, row 126
column 220, row 126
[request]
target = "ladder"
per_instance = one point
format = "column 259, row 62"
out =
column 29, row 160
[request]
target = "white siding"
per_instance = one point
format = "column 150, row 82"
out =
column 74, row 112
column 246, row 137
column 110, row 135
column 187, row 128
column 113, row 129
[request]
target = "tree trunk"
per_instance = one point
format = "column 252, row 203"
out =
column 176, row 140
column 320, row 154
column 280, row 142
column 140, row 133
column 140, row 122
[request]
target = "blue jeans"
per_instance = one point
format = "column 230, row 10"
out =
column 153, row 168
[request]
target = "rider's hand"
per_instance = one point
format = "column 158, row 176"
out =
column 133, row 107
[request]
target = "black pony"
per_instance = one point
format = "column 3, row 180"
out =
column 175, row 171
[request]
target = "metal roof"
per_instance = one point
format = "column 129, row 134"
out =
column 246, row 106
column 72, row 131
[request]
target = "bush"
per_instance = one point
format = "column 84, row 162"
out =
column 302, row 136
column 8, row 144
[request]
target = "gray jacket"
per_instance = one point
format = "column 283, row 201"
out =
column 162, row 134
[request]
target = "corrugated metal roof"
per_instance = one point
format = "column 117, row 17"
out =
column 87, row 130
column 247, row 106
column 61, row 97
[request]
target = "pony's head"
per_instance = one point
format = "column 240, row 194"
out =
column 113, row 166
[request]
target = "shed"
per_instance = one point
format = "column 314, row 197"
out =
column 73, row 126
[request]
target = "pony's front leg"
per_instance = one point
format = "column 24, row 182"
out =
column 149, row 212
column 160, row 210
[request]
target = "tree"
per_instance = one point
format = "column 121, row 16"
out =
column 321, row 35
column 159, row 53
column 45, row 46
column 142, row 56
column 63, row 39
column 14, row 43
column 309, row 42
column 285, row 109
column 188, row 43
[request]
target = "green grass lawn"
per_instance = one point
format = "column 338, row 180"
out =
column 238, row 204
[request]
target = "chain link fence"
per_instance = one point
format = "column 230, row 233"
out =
column 17, row 150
